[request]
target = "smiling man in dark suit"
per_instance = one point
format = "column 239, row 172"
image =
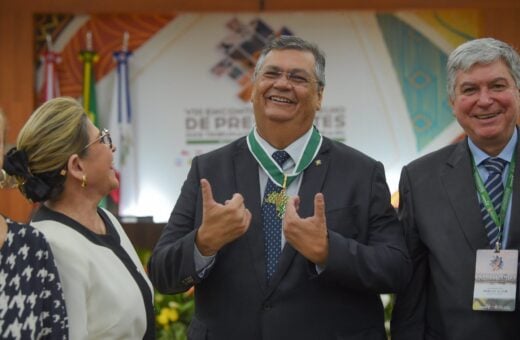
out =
column 284, row 233
column 457, row 207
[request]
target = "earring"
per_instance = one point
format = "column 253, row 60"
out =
column 84, row 181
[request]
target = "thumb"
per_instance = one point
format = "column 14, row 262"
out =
column 207, row 194
column 319, row 206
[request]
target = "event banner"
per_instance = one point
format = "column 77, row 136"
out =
column 190, row 79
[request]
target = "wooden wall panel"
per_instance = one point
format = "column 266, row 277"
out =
column 138, row 6
column 125, row 6
column 503, row 24
column 288, row 5
column 16, row 90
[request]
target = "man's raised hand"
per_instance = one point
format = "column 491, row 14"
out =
column 221, row 223
column 307, row 235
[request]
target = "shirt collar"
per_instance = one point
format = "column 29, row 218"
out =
column 506, row 154
column 295, row 149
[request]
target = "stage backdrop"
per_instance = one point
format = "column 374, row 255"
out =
column 189, row 83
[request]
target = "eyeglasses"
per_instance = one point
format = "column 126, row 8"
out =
column 296, row 78
column 104, row 138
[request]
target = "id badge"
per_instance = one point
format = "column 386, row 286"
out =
column 495, row 280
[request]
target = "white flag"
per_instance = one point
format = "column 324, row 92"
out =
column 122, row 132
column 50, row 88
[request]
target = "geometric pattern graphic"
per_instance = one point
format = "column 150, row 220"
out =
column 48, row 24
column 420, row 68
column 241, row 49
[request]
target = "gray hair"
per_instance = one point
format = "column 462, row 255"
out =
column 481, row 51
column 288, row 42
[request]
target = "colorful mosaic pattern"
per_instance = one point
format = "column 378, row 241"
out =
column 241, row 49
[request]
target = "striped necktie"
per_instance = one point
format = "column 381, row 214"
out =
column 495, row 189
column 272, row 223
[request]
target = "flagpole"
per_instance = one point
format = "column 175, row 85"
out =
column 89, row 41
column 126, row 37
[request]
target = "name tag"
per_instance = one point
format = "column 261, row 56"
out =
column 495, row 280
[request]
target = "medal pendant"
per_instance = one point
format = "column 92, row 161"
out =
column 279, row 199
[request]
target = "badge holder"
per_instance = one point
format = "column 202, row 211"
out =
column 495, row 280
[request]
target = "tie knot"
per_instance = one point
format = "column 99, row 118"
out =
column 494, row 164
column 280, row 157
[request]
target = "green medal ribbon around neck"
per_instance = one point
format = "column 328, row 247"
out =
column 275, row 172
column 486, row 200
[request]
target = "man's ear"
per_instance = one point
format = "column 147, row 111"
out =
column 75, row 167
column 320, row 97
column 253, row 90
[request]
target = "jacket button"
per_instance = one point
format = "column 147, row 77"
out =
column 267, row 306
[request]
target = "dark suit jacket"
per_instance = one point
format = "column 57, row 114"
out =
column 441, row 215
column 367, row 253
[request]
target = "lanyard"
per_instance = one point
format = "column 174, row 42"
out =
column 486, row 200
column 273, row 170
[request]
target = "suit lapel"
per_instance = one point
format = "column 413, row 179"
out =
column 514, row 223
column 246, row 175
column 312, row 183
column 313, row 179
column 460, row 185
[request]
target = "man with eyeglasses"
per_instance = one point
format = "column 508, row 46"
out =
column 284, row 233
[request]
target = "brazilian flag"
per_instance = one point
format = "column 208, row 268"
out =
column 89, row 57
column 89, row 84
